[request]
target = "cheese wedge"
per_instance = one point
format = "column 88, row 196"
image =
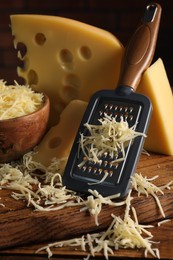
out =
column 59, row 139
column 64, row 58
column 156, row 86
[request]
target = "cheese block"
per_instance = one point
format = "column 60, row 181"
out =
column 64, row 58
column 59, row 139
column 156, row 86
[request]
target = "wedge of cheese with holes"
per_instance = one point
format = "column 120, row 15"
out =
column 64, row 58
column 59, row 139
column 156, row 86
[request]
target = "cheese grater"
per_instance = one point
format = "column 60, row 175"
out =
column 123, row 103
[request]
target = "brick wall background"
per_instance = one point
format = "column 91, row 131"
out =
column 118, row 17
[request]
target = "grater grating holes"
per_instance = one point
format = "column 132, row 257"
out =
column 91, row 171
column 117, row 111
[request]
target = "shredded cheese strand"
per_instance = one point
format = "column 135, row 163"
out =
column 163, row 221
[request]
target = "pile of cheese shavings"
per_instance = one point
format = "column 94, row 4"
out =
column 122, row 233
column 110, row 137
column 42, row 189
column 17, row 100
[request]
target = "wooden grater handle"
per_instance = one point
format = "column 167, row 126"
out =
column 140, row 50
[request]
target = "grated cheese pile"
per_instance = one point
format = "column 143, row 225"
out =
column 110, row 137
column 48, row 193
column 44, row 192
column 122, row 233
column 17, row 100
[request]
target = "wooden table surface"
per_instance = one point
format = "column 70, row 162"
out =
column 23, row 231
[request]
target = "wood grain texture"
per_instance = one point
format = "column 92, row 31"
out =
column 20, row 225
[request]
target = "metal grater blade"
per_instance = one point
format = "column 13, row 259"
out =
column 94, row 172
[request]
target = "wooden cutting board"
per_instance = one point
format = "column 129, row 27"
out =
column 21, row 226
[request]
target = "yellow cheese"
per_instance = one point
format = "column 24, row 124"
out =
column 65, row 58
column 59, row 139
column 155, row 85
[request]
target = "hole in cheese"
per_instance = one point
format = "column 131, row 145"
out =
column 40, row 38
column 24, row 64
column 32, row 77
column 72, row 80
column 66, row 56
column 70, row 88
column 22, row 49
column 54, row 142
column 58, row 107
column 85, row 53
column 21, row 55
column 69, row 93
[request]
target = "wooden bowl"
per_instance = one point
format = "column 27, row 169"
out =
column 19, row 135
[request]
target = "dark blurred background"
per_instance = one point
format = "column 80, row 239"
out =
column 119, row 17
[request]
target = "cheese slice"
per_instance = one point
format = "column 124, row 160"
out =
column 64, row 58
column 59, row 139
column 156, row 86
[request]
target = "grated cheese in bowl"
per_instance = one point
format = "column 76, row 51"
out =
column 18, row 100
